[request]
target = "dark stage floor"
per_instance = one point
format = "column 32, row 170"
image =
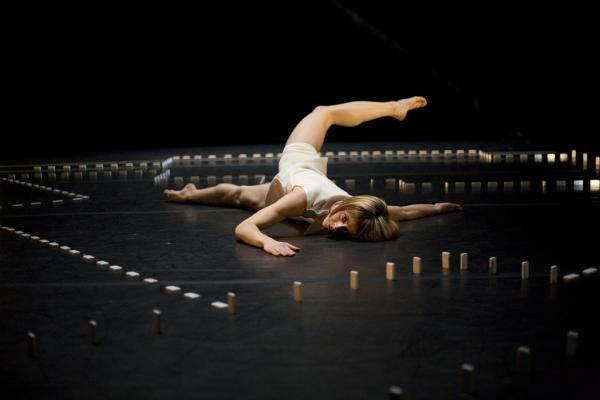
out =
column 415, row 332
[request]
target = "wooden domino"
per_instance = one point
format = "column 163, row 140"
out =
column 395, row 393
column 389, row 271
column 553, row 274
column 32, row 345
column 231, row 302
column 156, row 320
column 219, row 305
column 525, row 270
column 446, row 260
column 572, row 337
column 354, row 280
column 417, row 265
column 350, row 184
column 571, row 277
column 93, row 325
column 523, row 359
column 297, row 288
column 172, row 289
column 464, row 261
column 493, row 264
column 468, row 372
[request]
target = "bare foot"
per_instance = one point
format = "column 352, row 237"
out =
column 180, row 196
column 405, row 105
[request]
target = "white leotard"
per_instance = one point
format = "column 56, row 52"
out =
column 300, row 165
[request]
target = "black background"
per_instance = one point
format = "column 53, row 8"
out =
column 93, row 78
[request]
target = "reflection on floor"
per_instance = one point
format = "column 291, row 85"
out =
column 85, row 241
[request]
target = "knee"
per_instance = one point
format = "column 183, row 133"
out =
column 229, row 192
column 251, row 201
column 325, row 112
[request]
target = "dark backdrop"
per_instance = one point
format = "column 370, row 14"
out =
column 93, row 78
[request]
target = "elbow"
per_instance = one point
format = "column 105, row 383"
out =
column 239, row 231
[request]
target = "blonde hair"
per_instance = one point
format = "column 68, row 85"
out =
column 371, row 216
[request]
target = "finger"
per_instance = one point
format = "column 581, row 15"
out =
column 287, row 252
column 292, row 248
column 275, row 252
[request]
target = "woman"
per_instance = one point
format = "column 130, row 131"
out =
column 302, row 189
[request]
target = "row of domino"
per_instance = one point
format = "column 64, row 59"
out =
column 83, row 167
column 476, row 187
column 44, row 188
column 170, row 289
column 353, row 155
column 522, row 366
column 523, row 354
column 91, row 175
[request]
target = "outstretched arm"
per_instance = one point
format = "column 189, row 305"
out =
column 249, row 230
column 414, row 211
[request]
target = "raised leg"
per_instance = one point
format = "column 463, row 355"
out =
column 223, row 194
column 313, row 128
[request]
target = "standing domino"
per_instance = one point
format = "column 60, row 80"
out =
column 231, row 302
column 417, row 265
column 298, row 292
column 389, row 271
column 93, row 326
column 464, row 261
column 445, row 261
column 572, row 337
column 156, row 320
column 525, row 270
column 493, row 266
column 354, row 280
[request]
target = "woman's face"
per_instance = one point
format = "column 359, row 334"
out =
column 340, row 222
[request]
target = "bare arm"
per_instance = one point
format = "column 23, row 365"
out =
column 414, row 211
column 249, row 230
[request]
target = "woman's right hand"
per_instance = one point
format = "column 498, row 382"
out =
column 447, row 207
column 280, row 248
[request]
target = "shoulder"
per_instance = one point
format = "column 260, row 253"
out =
column 292, row 204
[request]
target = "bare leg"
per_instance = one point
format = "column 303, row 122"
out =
column 313, row 128
column 223, row 194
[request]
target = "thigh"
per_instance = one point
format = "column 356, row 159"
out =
column 312, row 128
column 253, row 197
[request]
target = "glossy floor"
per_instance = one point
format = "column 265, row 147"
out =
column 414, row 332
